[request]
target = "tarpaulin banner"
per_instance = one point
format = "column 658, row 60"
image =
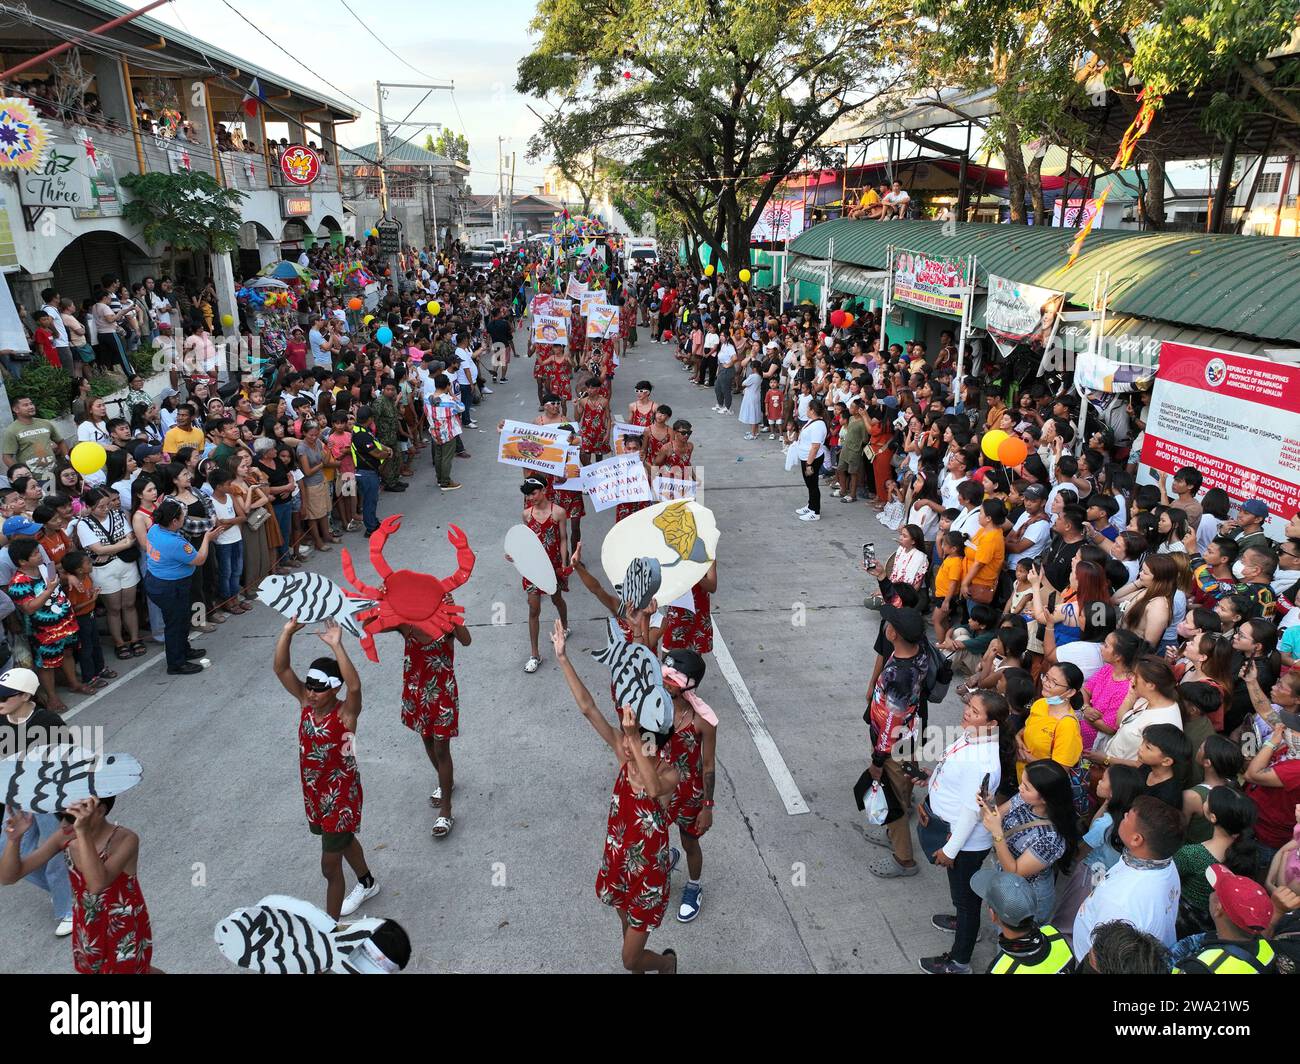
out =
column 1233, row 417
column 936, row 284
column 1018, row 314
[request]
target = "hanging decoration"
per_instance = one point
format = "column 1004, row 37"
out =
column 23, row 136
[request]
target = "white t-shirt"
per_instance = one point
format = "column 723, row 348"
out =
column 89, row 432
column 813, row 432
column 467, row 372
column 894, row 199
column 226, row 512
column 948, row 486
column 968, row 522
column 711, row 340
column 1038, row 532
column 1085, row 655
column 56, row 325
column 1146, row 898
column 726, row 355
column 1128, row 736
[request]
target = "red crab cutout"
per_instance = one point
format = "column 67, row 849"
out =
column 407, row 597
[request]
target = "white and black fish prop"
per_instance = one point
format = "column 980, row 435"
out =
column 637, row 680
column 309, row 597
column 281, row 935
column 48, row 779
column 640, row 582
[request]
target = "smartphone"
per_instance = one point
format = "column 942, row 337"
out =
column 868, row 555
column 984, row 788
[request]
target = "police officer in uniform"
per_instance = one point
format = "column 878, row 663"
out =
column 1242, row 912
column 1024, row 948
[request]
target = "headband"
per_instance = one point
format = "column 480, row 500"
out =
column 324, row 679
column 696, row 702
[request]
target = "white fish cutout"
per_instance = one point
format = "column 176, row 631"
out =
column 48, row 779
column 637, row 680
column 640, row 582
column 309, row 597
column 287, row 936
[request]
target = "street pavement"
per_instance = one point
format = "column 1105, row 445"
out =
column 220, row 811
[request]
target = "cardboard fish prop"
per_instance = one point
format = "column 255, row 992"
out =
column 48, row 779
column 288, row 936
column 682, row 536
column 640, row 583
column 637, row 679
column 309, row 597
column 529, row 557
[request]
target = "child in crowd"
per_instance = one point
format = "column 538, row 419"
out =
column 774, row 407
column 79, row 584
column 1163, row 758
column 951, row 547
column 339, row 442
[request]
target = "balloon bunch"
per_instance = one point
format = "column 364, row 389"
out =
column 254, row 297
column 1002, row 447
column 842, row 319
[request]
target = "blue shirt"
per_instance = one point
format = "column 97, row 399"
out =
column 170, row 555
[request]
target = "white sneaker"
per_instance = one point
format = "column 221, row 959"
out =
column 64, row 929
column 357, row 897
column 810, row 516
column 801, row 511
column 487, row 391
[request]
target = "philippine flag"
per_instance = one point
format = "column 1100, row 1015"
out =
column 256, row 95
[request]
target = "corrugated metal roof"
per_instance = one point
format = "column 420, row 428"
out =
column 407, row 154
column 1238, row 284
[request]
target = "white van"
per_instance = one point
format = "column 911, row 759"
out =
column 642, row 251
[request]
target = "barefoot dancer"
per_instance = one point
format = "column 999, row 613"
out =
column 633, row 874
column 331, row 784
column 549, row 521
column 431, row 707
column 111, row 934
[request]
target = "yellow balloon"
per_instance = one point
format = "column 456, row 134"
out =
column 435, row 308
column 708, row 270
column 991, row 442
column 88, row 458
column 745, row 275
column 227, row 320
column 367, row 319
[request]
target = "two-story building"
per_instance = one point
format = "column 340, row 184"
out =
column 144, row 97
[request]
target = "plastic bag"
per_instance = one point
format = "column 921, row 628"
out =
column 876, row 807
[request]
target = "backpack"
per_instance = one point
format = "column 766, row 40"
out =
column 938, row 673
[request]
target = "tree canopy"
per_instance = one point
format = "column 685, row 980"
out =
column 187, row 210
column 449, row 144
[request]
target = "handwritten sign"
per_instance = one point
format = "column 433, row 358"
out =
column 637, row 679
column 670, row 489
column 618, row 479
column 541, row 447
column 575, row 289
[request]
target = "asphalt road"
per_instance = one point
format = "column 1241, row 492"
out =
column 512, row 888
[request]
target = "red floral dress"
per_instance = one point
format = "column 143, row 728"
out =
column 625, row 509
column 633, row 875
column 644, row 418
column 331, row 784
column 430, row 700
column 607, row 365
column 653, row 448
column 548, row 532
column 685, row 749
column 111, row 934
column 594, row 427
column 558, row 375
column 686, row 630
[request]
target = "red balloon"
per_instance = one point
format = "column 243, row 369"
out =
column 837, row 318
column 1012, row 451
column 668, row 336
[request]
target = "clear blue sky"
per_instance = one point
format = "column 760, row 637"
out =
column 477, row 45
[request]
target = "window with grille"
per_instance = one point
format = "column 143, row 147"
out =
column 1270, row 181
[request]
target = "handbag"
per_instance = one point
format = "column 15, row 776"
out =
column 85, row 352
column 257, row 518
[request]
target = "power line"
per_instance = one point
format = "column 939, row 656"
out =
column 384, row 44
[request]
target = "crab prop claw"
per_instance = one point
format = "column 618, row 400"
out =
column 464, row 557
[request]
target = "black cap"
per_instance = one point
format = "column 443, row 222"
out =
column 688, row 662
column 907, row 622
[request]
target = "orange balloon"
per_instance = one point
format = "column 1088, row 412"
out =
column 1012, row 451
column 849, row 319
column 355, row 304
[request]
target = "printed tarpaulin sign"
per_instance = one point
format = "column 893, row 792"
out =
column 1097, row 373
column 550, row 329
column 541, row 304
column 541, row 447
column 1233, row 417
column 932, row 283
column 668, row 489
column 589, row 300
column 602, row 321
column 621, row 431
column 1018, row 314
column 618, row 479
column 572, row 470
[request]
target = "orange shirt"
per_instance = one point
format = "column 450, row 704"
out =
column 988, row 549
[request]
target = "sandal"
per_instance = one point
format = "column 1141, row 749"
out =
column 123, row 652
column 442, row 827
column 106, row 674
column 676, row 963
column 138, row 649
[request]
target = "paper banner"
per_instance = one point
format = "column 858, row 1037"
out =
column 541, row 447
column 589, row 300
column 618, row 479
column 550, row 329
column 572, row 470
column 669, row 489
column 602, row 321
column 623, row 430
column 575, row 289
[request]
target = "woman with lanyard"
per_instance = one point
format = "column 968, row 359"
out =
column 172, row 564
column 105, row 534
column 95, row 428
column 1152, row 700
column 808, row 452
column 1036, row 832
column 144, row 500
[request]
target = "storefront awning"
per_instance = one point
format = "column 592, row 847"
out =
column 855, row 280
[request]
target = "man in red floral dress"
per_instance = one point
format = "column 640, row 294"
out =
column 331, row 784
column 431, row 707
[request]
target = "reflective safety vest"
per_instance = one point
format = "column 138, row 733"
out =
column 1221, row 960
column 355, row 429
column 1057, row 959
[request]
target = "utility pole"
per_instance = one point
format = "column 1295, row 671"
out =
column 510, row 232
column 500, row 212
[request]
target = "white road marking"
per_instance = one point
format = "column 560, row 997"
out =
column 767, row 749
column 124, row 678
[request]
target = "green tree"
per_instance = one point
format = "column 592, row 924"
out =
column 712, row 103
column 188, row 211
column 449, row 144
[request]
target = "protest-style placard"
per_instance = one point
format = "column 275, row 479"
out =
column 572, row 470
column 618, row 479
column 550, row 329
column 575, row 289
column 621, row 431
column 540, row 447
column 602, row 321
column 668, row 489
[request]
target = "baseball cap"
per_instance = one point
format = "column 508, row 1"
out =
column 1036, row 491
column 1244, row 901
column 145, row 450
column 1010, row 896
column 18, row 525
column 18, row 682
column 1254, row 506
column 387, row 950
column 906, row 621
